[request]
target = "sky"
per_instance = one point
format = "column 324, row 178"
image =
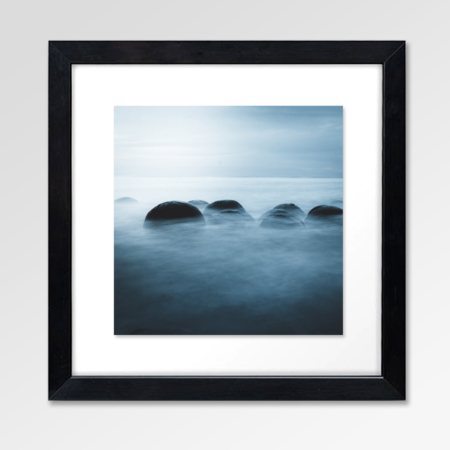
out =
column 228, row 141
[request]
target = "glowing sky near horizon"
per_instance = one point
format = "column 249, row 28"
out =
column 228, row 141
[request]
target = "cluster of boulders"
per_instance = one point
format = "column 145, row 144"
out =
column 231, row 212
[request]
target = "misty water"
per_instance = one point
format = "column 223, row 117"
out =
column 240, row 279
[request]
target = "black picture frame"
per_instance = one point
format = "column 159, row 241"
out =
column 390, row 385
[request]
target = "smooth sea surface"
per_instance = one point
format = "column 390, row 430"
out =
column 227, row 280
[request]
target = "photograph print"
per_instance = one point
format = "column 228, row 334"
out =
column 228, row 220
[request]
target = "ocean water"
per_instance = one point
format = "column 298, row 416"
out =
column 227, row 280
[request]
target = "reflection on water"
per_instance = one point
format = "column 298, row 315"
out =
column 213, row 279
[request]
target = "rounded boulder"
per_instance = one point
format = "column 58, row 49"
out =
column 200, row 204
column 125, row 201
column 325, row 213
column 223, row 205
column 230, row 217
column 290, row 208
column 280, row 219
column 173, row 212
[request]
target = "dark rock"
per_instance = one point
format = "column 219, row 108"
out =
column 126, row 201
column 200, row 204
column 222, row 205
column 290, row 208
column 173, row 212
column 325, row 213
column 278, row 218
column 230, row 216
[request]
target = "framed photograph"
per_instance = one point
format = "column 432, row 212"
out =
column 227, row 220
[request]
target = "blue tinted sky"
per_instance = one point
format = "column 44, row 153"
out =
column 228, row 141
